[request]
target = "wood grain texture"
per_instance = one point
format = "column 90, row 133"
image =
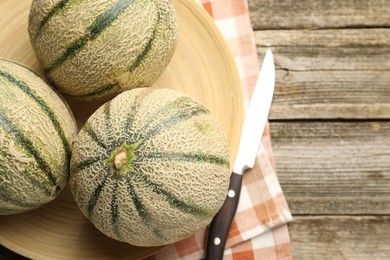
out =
column 334, row 167
column 331, row 94
column 343, row 49
column 340, row 237
column 293, row 14
column 329, row 73
column 330, row 121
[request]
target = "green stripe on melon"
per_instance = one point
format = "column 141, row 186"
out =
column 36, row 133
column 53, row 11
column 101, row 22
column 42, row 104
column 94, row 49
column 26, row 144
column 154, row 171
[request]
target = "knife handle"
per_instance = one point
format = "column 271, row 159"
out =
column 222, row 221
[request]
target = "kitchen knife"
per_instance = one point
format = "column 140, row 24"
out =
column 252, row 132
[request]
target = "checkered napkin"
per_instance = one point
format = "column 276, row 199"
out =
column 259, row 229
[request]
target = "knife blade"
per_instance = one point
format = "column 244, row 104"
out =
column 252, row 131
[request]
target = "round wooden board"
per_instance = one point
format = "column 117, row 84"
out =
column 201, row 67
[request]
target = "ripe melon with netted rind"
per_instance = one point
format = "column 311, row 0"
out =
column 36, row 134
column 150, row 167
column 95, row 49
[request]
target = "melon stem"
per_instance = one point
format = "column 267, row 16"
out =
column 121, row 158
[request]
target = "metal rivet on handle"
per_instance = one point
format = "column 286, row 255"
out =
column 217, row 241
column 231, row 193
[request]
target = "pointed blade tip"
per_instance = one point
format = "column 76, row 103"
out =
column 268, row 57
column 247, row 153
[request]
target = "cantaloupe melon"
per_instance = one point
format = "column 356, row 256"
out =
column 36, row 134
column 150, row 167
column 94, row 49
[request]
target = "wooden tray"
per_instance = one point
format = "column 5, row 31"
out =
column 201, row 67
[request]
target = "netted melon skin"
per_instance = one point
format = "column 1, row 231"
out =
column 95, row 49
column 36, row 133
column 176, row 180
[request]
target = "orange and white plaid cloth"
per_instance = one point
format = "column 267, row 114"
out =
column 259, row 230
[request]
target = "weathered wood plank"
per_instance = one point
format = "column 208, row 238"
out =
column 336, row 238
column 333, row 167
column 293, row 14
column 347, row 49
column 358, row 94
column 329, row 73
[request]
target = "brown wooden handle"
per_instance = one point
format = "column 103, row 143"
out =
column 220, row 226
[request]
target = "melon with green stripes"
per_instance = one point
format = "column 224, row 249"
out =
column 95, row 49
column 150, row 167
column 36, row 134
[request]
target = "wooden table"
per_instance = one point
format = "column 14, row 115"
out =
column 330, row 121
